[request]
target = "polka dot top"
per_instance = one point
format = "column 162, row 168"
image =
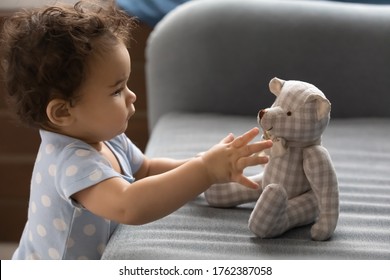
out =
column 58, row 227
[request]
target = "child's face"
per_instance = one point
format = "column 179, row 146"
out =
column 105, row 104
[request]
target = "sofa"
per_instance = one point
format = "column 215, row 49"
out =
column 209, row 63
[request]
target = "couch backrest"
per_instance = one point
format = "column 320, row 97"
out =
column 219, row 55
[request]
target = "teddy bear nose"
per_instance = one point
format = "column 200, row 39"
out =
column 261, row 113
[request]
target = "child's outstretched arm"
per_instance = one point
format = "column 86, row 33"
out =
column 154, row 197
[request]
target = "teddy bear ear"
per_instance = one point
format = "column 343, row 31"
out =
column 275, row 85
column 323, row 106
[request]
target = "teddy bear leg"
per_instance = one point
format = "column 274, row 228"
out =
column 269, row 217
column 302, row 210
column 232, row 194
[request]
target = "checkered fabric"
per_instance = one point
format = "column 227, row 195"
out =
column 233, row 194
column 299, row 184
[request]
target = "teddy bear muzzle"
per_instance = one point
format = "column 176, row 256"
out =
column 261, row 113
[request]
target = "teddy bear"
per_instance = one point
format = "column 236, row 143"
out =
column 298, row 185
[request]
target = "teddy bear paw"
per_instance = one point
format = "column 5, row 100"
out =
column 323, row 228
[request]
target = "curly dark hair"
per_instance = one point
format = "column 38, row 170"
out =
column 44, row 52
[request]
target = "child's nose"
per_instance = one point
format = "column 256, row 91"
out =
column 131, row 97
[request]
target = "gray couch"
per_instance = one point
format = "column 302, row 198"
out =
column 208, row 68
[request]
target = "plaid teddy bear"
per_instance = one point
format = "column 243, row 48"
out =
column 299, row 184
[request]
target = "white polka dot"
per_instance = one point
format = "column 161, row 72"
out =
column 101, row 248
column 30, row 236
column 70, row 243
column 38, row 178
column 54, row 254
column 82, row 153
column 52, row 170
column 46, row 201
column 89, row 230
column 49, row 149
column 33, row 207
column 96, row 175
column 41, row 230
column 71, row 170
column 59, row 224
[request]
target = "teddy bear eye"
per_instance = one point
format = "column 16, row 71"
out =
column 289, row 113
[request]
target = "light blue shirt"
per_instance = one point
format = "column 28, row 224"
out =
column 58, row 227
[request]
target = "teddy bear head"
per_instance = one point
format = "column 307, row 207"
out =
column 299, row 114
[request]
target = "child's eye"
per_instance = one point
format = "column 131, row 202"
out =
column 118, row 92
column 289, row 113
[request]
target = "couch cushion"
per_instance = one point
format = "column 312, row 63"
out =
column 219, row 56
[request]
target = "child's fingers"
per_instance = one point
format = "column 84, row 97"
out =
column 228, row 139
column 247, row 182
column 256, row 147
column 245, row 138
column 244, row 162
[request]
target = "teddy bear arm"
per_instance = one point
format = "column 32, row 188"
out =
column 321, row 175
column 320, row 172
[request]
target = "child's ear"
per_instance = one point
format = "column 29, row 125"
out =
column 58, row 112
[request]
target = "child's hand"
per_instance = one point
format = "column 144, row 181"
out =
column 226, row 161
